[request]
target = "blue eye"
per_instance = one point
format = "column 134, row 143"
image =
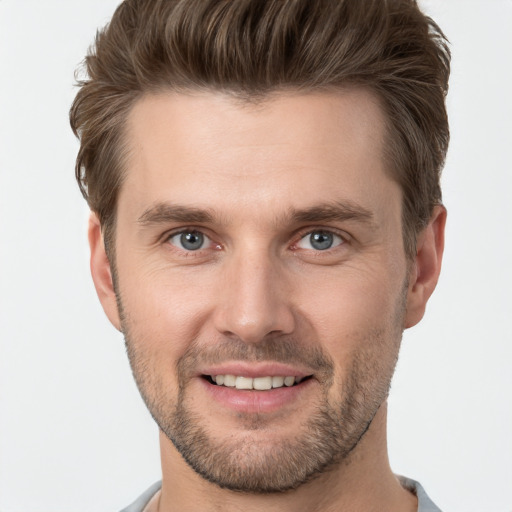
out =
column 189, row 240
column 320, row 241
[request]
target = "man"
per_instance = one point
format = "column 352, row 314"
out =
column 266, row 220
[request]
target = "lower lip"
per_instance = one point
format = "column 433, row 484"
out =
column 252, row 401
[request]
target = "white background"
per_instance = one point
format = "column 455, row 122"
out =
column 74, row 434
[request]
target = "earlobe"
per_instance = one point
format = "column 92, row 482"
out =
column 427, row 266
column 101, row 272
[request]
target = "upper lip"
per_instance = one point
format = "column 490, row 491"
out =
column 253, row 370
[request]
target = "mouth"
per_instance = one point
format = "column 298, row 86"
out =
column 257, row 387
column 263, row 383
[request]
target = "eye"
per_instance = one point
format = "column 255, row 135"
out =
column 320, row 241
column 189, row 240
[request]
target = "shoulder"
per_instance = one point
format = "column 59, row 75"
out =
column 140, row 503
column 425, row 504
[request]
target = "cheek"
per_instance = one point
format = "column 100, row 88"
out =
column 162, row 313
column 350, row 303
column 357, row 317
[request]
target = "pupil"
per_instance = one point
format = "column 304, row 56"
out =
column 321, row 241
column 192, row 241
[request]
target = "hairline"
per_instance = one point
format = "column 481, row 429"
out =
column 247, row 98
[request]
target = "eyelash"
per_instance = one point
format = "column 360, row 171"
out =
column 332, row 233
column 294, row 246
column 168, row 236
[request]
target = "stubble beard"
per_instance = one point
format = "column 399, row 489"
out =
column 251, row 463
column 248, row 462
column 325, row 439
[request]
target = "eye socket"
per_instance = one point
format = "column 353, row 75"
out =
column 189, row 240
column 320, row 241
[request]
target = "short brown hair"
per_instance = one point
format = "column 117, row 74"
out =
column 251, row 48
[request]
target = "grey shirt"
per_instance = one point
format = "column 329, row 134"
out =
column 425, row 504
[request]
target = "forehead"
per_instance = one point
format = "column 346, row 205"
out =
column 289, row 151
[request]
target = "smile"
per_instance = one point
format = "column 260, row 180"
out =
column 250, row 388
column 256, row 383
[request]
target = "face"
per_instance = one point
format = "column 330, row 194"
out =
column 261, row 280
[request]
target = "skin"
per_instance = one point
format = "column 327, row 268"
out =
column 258, row 281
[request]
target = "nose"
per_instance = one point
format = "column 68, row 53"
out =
column 254, row 300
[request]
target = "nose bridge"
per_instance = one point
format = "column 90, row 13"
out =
column 254, row 299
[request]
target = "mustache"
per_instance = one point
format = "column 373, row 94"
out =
column 288, row 350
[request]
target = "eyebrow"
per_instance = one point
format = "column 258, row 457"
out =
column 162, row 213
column 338, row 211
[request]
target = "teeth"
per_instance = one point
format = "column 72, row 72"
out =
column 258, row 383
column 262, row 383
column 289, row 381
column 277, row 382
column 243, row 383
column 229, row 380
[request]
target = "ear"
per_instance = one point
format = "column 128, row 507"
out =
column 101, row 273
column 425, row 270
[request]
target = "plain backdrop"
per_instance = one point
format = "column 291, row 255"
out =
column 74, row 434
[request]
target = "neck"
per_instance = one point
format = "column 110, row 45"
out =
column 362, row 482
